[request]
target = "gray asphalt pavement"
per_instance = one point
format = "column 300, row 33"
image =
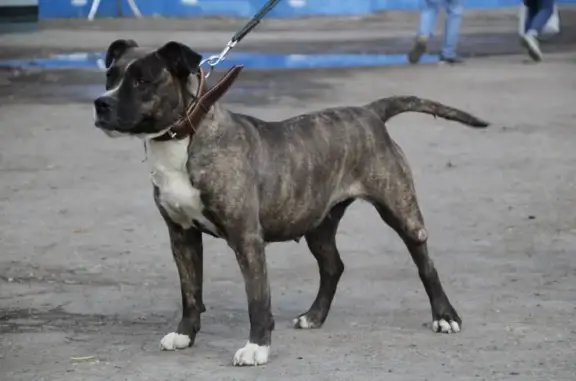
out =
column 88, row 286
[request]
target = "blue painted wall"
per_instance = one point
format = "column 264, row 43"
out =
column 246, row 8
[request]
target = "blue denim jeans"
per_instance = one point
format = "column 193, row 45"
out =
column 428, row 16
column 538, row 13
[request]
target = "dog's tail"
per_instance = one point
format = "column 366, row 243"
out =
column 386, row 108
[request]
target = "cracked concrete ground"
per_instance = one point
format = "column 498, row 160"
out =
column 88, row 286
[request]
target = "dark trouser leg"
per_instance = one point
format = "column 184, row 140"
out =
column 532, row 7
column 541, row 11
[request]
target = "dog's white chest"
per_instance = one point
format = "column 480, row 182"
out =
column 177, row 196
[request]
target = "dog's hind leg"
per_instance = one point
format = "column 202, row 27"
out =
column 395, row 199
column 322, row 243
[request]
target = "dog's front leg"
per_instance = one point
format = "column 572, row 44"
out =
column 252, row 260
column 187, row 251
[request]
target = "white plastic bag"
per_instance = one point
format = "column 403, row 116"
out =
column 551, row 28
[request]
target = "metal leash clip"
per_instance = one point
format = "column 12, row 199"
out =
column 214, row 60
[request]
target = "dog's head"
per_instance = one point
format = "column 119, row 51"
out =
column 145, row 92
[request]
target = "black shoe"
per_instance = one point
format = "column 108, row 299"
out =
column 452, row 60
column 419, row 48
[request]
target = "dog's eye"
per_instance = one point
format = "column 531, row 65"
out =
column 140, row 81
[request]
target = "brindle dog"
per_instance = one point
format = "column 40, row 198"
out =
column 252, row 182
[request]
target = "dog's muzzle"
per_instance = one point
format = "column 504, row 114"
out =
column 103, row 107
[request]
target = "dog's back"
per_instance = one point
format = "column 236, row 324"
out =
column 307, row 163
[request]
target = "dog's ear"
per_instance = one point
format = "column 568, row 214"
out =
column 179, row 59
column 117, row 49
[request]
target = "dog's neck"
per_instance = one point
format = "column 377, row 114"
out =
column 199, row 106
column 168, row 155
column 172, row 154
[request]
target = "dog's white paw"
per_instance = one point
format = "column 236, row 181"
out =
column 303, row 322
column 251, row 354
column 444, row 326
column 174, row 341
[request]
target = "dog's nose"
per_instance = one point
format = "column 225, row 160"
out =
column 102, row 104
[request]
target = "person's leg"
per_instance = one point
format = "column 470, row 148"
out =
column 428, row 16
column 544, row 11
column 541, row 10
column 532, row 7
column 454, row 10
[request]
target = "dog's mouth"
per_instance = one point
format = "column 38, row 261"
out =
column 100, row 124
column 105, row 125
column 109, row 121
column 114, row 134
column 110, row 129
column 102, row 119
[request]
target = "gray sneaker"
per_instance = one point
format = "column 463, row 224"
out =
column 456, row 60
column 530, row 42
column 419, row 48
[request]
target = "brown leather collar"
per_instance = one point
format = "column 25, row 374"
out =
column 201, row 105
